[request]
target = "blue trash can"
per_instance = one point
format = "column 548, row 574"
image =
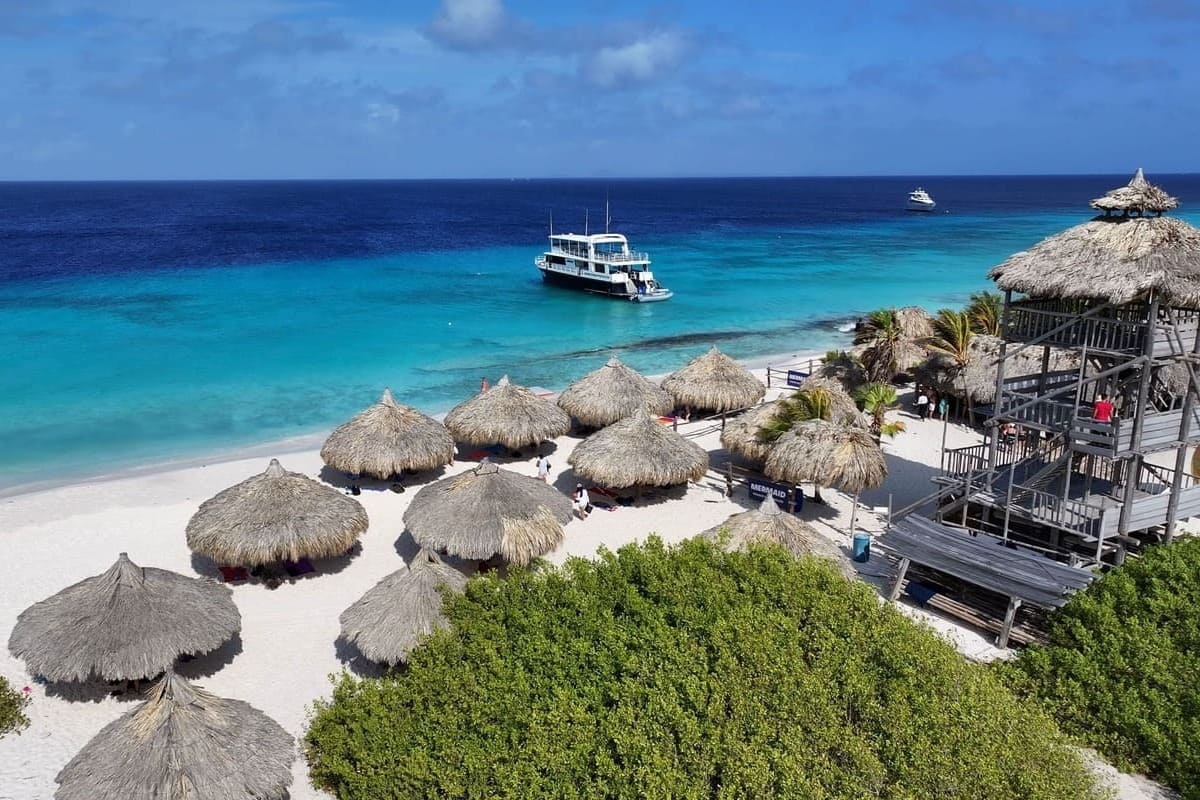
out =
column 862, row 547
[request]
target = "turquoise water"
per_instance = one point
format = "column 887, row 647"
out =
column 109, row 369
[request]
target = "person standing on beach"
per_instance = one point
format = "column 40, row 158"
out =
column 483, row 384
column 580, row 501
column 931, row 405
column 922, row 402
column 943, row 407
column 543, row 468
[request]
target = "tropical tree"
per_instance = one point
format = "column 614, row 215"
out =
column 984, row 310
column 877, row 399
column 952, row 335
column 804, row 404
column 882, row 339
column 12, row 709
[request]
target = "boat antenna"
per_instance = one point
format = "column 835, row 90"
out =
column 552, row 222
column 606, row 216
column 585, row 222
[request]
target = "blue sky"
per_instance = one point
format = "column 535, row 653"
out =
column 516, row 88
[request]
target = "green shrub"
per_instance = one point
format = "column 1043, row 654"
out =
column 1121, row 668
column 12, row 709
column 685, row 673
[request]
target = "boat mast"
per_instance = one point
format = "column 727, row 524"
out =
column 552, row 222
column 606, row 216
column 585, row 222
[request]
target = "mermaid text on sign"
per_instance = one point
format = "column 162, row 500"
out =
column 760, row 488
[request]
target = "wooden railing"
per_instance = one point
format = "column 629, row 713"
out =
column 1119, row 329
column 792, row 375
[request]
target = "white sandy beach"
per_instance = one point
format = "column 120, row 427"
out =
column 52, row 538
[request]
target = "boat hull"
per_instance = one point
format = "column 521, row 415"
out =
column 604, row 289
column 921, row 206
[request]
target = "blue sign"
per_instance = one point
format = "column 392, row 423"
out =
column 760, row 488
column 795, row 377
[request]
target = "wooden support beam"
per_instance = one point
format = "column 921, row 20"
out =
column 1009, row 616
column 899, row 584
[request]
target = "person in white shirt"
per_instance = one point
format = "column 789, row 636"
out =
column 543, row 468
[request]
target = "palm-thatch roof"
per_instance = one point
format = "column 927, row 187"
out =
column 826, row 454
column 276, row 516
column 979, row 375
column 844, row 369
column 770, row 525
column 1138, row 196
column 716, row 382
column 128, row 623
column 639, row 451
column 386, row 439
column 914, row 322
column 740, row 435
column 183, row 743
column 392, row 618
column 1121, row 259
column 489, row 511
column 507, row 414
column 613, row 392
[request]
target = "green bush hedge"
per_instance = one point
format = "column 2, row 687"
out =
column 685, row 673
column 1121, row 668
column 12, row 709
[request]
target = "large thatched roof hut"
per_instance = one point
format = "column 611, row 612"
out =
column 128, row 623
column 507, row 414
column 716, row 382
column 639, row 451
column 387, row 622
column 740, row 435
column 276, row 516
column 386, row 439
column 1116, row 257
column 978, row 377
column 489, row 511
column 770, row 525
column 826, row 454
column 183, row 743
column 613, row 392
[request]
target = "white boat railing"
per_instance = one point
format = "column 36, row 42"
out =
column 610, row 258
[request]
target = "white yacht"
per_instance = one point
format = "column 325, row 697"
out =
column 919, row 200
column 600, row 263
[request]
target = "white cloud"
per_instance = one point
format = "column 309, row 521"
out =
column 469, row 24
column 640, row 61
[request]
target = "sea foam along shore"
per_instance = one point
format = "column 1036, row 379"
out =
column 287, row 648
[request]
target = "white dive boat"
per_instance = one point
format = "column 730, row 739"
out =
column 919, row 200
column 600, row 263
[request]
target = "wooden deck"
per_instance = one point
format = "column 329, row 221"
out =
column 1021, row 575
column 1117, row 330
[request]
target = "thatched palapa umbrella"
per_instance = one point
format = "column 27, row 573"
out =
column 507, row 414
column 978, row 378
column 825, row 454
column 769, row 524
column 489, row 511
column 740, row 435
column 183, row 743
column 126, row 624
column 1120, row 258
column 611, row 393
column 716, row 382
column 276, row 516
column 844, row 369
column 387, row 622
column 639, row 451
column 386, row 439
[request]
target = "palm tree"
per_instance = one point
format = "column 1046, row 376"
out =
column 877, row 399
column 984, row 310
column 952, row 334
column 882, row 337
column 804, row 404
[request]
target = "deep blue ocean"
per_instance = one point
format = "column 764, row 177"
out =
column 145, row 322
